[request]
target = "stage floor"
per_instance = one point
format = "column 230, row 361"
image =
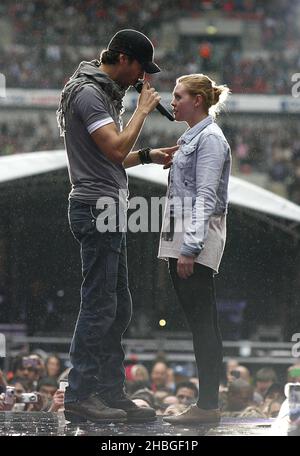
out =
column 38, row 423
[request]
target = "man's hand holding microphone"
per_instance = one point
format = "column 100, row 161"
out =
column 148, row 100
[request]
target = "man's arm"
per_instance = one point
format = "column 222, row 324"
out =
column 117, row 145
column 132, row 159
column 161, row 156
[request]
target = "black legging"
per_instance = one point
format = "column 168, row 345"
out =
column 197, row 298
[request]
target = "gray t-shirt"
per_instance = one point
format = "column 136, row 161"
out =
column 92, row 174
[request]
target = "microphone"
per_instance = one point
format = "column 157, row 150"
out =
column 160, row 107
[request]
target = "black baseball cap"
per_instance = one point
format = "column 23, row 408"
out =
column 137, row 45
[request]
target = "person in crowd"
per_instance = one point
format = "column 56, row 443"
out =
column 186, row 393
column 140, row 373
column 3, row 382
column 171, row 383
column 27, row 367
column 144, row 394
column 159, row 375
column 21, row 386
column 239, row 396
column 293, row 373
column 274, row 408
column 231, row 364
column 264, row 378
column 48, row 386
column 239, row 372
column 53, row 366
column 138, row 378
column 274, row 394
column 159, row 396
column 171, row 399
column 18, row 370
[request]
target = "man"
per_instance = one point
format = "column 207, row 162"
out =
column 239, row 372
column 98, row 151
column 264, row 378
column 186, row 393
column 240, row 396
column 47, row 386
column 159, row 376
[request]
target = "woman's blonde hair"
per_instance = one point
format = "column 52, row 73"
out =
column 141, row 370
column 213, row 95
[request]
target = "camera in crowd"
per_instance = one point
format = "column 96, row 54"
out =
column 29, row 398
column 24, row 398
column 9, row 398
column 235, row 373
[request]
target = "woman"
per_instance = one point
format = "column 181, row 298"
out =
column 53, row 366
column 194, row 230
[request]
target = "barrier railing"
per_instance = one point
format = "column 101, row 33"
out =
column 175, row 350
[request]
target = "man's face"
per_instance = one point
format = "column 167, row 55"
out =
column 28, row 373
column 185, row 395
column 48, row 390
column 159, row 374
column 130, row 72
column 239, row 400
column 22, row 372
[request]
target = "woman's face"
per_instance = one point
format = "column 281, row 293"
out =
column 53, row 367
column 183, row 103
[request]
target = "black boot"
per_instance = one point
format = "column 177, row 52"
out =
column 134, row 413
column 93, row 409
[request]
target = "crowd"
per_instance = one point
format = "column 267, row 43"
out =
column 269, row 149
column 27, row 135
column 34, row 56
column 97, row 19
column 272, row 149
column 37, row 384
column 49, row 66
column 270, row 74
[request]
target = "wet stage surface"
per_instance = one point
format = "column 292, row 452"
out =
column 38, row 424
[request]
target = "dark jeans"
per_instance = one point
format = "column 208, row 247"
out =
column 96, row 352
column 197, row 298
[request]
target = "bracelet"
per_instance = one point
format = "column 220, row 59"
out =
column 144, row 155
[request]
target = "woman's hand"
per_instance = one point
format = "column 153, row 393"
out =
column 163, row 156
column 185, row 266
